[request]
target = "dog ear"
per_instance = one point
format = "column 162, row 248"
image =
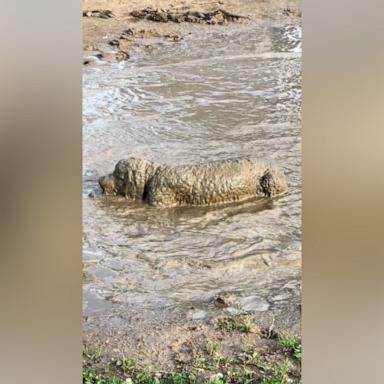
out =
column 145, row 193
column 266, row 181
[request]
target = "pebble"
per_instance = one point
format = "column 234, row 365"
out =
column 254, row 303
column 114, row 43
column 122, row 56
column 199, row 315
column 216, row 376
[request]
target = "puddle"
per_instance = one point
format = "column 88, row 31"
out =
column 209, row 97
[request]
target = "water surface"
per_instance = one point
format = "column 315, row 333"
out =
column 215, row 96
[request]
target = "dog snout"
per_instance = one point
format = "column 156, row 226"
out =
column 107, row 185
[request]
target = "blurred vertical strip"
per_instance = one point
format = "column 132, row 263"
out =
column 40, row 198
column 343, row 189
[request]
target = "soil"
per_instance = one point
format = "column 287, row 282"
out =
column 185, row 346
column 113, row 28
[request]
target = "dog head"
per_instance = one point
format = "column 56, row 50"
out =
column 128, row 178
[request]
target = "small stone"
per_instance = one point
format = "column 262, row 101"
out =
column 281, row 297
column 103, row 14
column 216, row 377
column 234, row 311
column 89, row 47
column 114, row 43
column 128, row 31
column 92, row 195
column 223, row 300
column 254, row 303
column 122, row 56
column 199, row 315
column 173, row 37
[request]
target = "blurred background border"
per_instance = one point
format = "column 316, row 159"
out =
column 40, row 201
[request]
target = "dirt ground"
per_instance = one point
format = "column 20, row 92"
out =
column 202, row 350
column 113, row 28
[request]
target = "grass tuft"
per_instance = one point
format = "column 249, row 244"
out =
column 291, row 344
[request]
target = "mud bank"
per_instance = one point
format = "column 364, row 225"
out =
column 227, row 350
column 112, row 30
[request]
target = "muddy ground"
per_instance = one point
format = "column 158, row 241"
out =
column 113, row 31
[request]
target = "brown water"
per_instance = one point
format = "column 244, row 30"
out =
column 210, row 97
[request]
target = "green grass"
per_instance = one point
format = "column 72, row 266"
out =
column 90, row 377
column 126, row 365
column 145, row 378
column 213, row 348
column 278, row 374
column 93, row 355
column 264, row 374
column 291, row 344
column 179, row 378
column 216, row 380
column 236, row 323
column 249, row 356
column 247, row 325
column 277, row 362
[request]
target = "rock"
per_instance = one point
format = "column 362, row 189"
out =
column 254, row 303
column 114, row 43
column 234, row 311
column 89, row 47
column 92, row 194
column 291, row 12
column 128, row 31
column 215, row 377
column 281, row 297
column 127, row 34
column 223, row 300
column 199, row 315
column 269, row 333
column 219, row 16
column 173, row 37
column 122, row 56
column 102, row 14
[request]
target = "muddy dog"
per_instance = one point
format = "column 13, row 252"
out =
column 201, row 184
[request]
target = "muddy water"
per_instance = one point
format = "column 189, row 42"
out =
column 219, row 95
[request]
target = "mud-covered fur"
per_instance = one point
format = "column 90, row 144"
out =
column 201, row 184
column 129, row 178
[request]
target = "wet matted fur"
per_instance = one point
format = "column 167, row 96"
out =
column 201, row 184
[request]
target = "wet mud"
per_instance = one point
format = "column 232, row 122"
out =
column 157, row 280
column 218, row 16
